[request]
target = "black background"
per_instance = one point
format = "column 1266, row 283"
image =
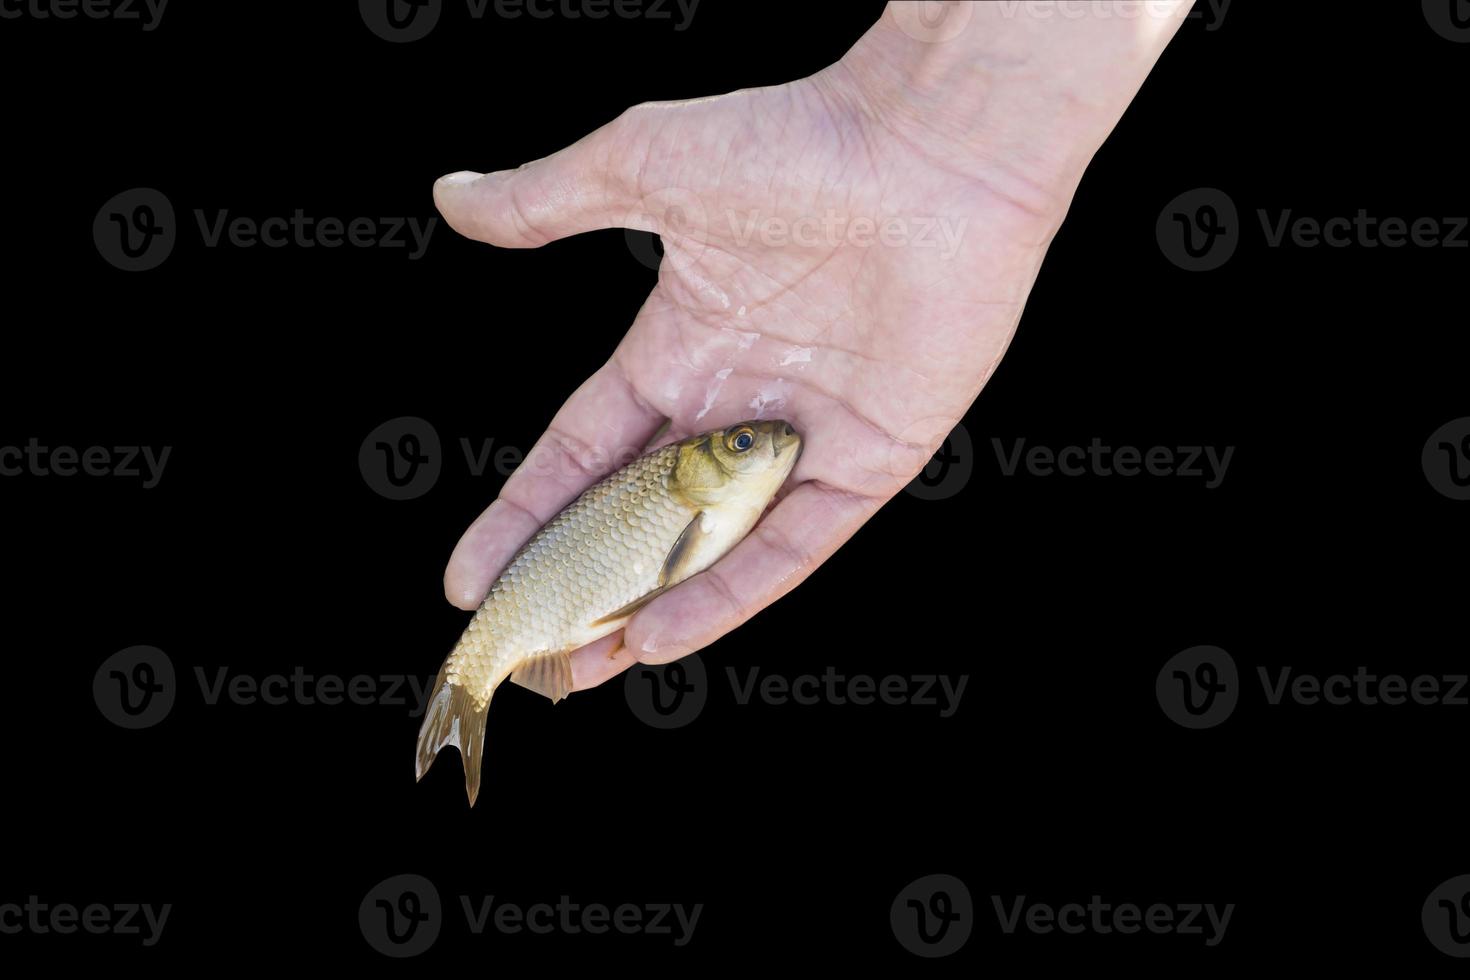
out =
column 264, row 550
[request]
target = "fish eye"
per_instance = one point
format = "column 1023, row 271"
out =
column 741, row 439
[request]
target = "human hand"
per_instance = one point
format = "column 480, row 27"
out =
column 850, row 251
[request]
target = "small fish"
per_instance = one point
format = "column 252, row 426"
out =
column 637, row 533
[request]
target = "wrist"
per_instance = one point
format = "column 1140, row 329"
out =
column 1018, row 95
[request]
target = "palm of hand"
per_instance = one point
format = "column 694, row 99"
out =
column 818, row 267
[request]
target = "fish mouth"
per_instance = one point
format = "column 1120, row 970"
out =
column 782, row 437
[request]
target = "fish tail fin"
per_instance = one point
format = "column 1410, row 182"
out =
column 453, row 717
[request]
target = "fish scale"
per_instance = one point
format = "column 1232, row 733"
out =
column 597, row 556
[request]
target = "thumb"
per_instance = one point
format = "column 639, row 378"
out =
column 587, row 186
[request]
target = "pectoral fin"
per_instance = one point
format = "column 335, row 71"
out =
column 681, row 555
column 549, row 675
column 629, row 609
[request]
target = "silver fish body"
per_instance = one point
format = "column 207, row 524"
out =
column 638, row 532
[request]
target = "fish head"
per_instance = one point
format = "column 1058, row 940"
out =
column 744, row 463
